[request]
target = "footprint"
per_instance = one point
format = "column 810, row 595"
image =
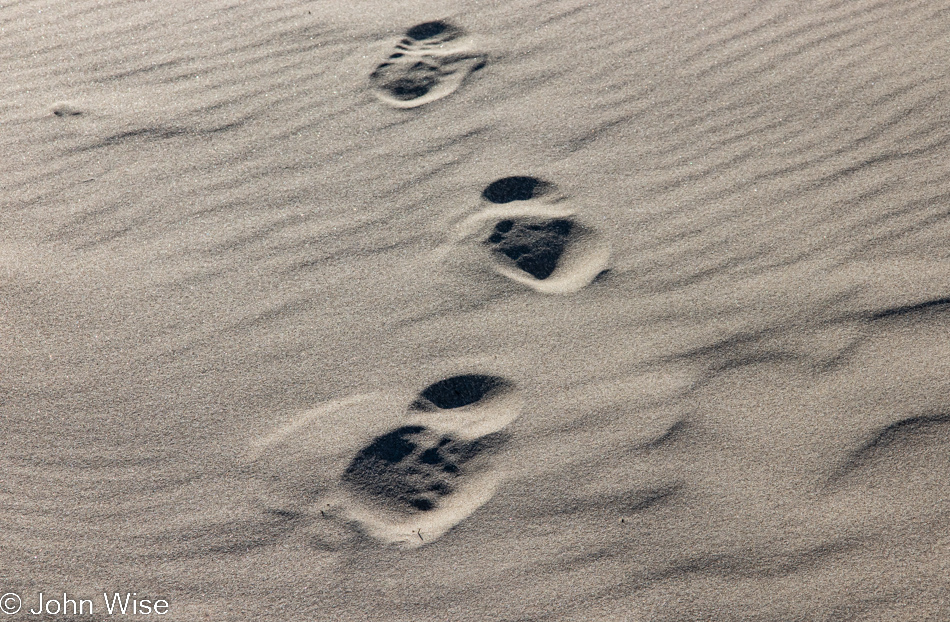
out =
column 418, row 472
column 534, row 239
column 430, row 62
column 418, row 481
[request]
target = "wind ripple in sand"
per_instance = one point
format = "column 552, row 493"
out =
column 430, row 62
column 891, row 448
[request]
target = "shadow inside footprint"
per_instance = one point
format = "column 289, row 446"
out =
column 407, row 82
column 392, row 447
column 534, row 246
column 437, row 30
column 410, row 468
column 459, row 391
column 510, row 189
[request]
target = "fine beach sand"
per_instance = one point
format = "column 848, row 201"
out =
column 538, row 310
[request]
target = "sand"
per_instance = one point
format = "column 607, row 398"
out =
column 476, row 311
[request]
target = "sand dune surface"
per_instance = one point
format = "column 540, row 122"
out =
column 540, row 310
